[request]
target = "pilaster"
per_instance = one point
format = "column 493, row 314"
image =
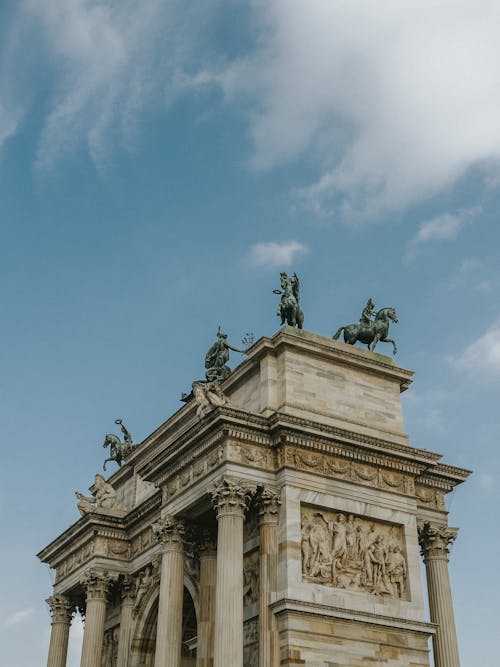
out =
column 206, row 544
column 128, row 596
column 268, row 503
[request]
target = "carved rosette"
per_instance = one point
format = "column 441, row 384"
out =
column 231, row 497
column 97, row 583
column 61, row 609
column 268, row 505
column 434, row 539
column 170, row 531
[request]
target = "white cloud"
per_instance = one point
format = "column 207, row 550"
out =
column 445, row 227
column 110, row 62
column 394, row 101
column 18, row 617
column 482, row 356
column 274, row 254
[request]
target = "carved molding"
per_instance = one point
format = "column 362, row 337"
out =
column 353, row 552
column 61, row 609
column 435, row 539
column 97, row 583
column 231, row 497
column 169, row 531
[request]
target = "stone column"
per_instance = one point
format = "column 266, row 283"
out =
column 96, row 584
column 268, row 508
column 61, row 611
column 207, row 549
column 170, row 531
column 230, row 500
column 126, row 609
column 434, row 540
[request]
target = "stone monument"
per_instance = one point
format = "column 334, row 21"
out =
column 278, row 525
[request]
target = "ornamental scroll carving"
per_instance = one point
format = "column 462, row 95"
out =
column 352, row 552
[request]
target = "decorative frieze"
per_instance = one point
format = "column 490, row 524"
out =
column 353, row 552
column 430, row 497
column 361, row 473
column 435, row 539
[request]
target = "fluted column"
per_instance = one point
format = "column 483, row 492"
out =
column 207, row 550
column 127, row 605
column 96, row 584
column 230, row 500
column 61, row 611
column 169, row 531
column 268, row 508
column 434, row 541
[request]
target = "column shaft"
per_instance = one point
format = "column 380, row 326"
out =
column 93, row 634
column 441, row 612
column 228, row 649
column 169, row 629
column 268, row 504
column 206, row 621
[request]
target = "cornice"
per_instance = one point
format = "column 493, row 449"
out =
column 288, row 605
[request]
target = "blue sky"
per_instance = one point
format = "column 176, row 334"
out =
column 160, row 165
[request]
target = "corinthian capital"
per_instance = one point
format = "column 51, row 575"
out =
column 434, row 539
column 169, row 531
column 231, row 497
column 268, row 505
column 61, row 609
column 97, row 583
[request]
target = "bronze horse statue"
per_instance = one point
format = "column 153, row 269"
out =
column 372, row 333
column 118, row 450
column 289, row 308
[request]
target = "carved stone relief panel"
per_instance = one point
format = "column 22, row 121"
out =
column 250, row 643
column 353, row 552
column 251, row 578
column 110, row 647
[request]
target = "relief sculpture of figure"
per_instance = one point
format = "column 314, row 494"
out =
column 351, row 553
column 217, row 357
column 397, row 572
column 289, row 308
column 319, row 542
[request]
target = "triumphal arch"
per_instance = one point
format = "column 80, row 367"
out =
column 276, row 520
